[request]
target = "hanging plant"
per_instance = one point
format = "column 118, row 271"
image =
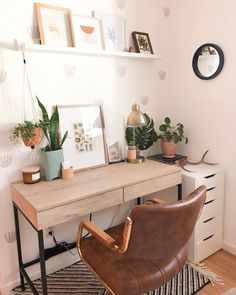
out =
column 144, row 136
column 29, row 132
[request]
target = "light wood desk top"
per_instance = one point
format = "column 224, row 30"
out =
column 48, row 203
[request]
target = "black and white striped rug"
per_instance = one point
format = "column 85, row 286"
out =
column 78, row 280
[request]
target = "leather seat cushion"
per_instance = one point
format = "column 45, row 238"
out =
column 129, row 276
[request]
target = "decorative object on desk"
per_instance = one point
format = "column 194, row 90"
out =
column 170, row 136
column 52, row 154
column 136, row 119
column 140, row 136
column 142, row 42
column 131, row 49
column 31, row 174
column 202, row 160
column 85, row 146
column 86, row 32
column 29, row 132
column 114, row 152
column 54, row 25
column 114, row 33
column 67, row 171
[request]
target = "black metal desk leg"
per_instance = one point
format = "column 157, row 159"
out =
column 18, row 243
column 42, row 262
column 179, row 191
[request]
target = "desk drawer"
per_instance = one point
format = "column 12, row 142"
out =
column 207, row 228
column 151, row 186
column 207, row 247
column 214, row 193
column 210, row 209
column 80, row 208
column 211, row 180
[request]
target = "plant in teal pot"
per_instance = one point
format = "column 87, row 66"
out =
column 52, row 153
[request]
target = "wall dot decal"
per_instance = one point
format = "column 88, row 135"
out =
column 121, row 70
column 162, row 75
column 3, row 76
column 121, row 3
column 166, row 11
column 69, row 70
column 10, row 237
column 5, row 161
column 144, row 100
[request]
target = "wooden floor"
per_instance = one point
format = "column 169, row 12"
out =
column 223, row 264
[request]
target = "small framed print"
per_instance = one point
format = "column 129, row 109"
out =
column 54, row 25
column 114, row 32
column 114, row 154
column 142, row 43
column 86, row 32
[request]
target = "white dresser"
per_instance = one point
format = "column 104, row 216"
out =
column 208, row 234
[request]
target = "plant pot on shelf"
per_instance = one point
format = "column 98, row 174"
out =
column 51, row 161
column 35, row 140
column 168, row 148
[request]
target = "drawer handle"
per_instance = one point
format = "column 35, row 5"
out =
column 210, row 189
column 209, row 176
column 208, row 238
column 205, row 221
column 206, row 203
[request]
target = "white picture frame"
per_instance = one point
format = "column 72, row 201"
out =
column 85, row 146
column 113, row 30
column 54, row 25
column 114, row 153
column 86, row 32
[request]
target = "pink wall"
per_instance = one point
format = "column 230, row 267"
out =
column 207, row 108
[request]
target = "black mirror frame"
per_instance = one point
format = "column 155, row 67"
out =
column 195, row 61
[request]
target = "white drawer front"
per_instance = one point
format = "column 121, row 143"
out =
column 207, row 227
column 215, row 192
column 211, row 180
column 208, row 246
column 210, row 209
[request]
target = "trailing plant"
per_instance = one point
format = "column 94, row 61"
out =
column 172, row 133
column 142, row 137
column 50, row 127
column 24, row 130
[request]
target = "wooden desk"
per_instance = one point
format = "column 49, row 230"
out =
column 46, row 204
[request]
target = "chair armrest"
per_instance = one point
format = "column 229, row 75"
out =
column 104, row 238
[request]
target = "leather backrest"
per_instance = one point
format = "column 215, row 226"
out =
column 159, row 231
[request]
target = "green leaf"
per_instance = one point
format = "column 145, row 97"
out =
column 163, row 128
column 54, row 130
column 64, row 138
column 44, row 111
column 167, row 121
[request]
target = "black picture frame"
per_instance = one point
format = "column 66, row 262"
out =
column 136, row 36
column 199, row 53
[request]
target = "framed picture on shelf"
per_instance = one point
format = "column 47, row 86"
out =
column 142, row 43
column 86, row 32
column 114, row 33
column 54, row 25
column 114, row 154
column 85, row 146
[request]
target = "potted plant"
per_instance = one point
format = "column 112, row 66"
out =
column 170, row 136
column 52, row 154
column 29, row 132
column 141, row 138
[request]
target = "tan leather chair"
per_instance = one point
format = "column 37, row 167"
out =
column 145, row 252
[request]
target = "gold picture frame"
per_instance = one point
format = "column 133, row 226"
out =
column 54, row 25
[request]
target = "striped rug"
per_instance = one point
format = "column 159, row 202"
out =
column 78, row 280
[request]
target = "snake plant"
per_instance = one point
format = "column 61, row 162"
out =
column 50, row 127
column 142, row 137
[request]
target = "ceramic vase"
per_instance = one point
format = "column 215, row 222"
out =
column 32, row 142
column 168, row 148
column 51, row 161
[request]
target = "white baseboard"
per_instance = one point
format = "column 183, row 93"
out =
column 52, row 264
column 229, row 248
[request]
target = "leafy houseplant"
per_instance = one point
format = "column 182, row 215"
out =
column 29, row 132
column 52, row 154
column 142, row 137
column 170, row 136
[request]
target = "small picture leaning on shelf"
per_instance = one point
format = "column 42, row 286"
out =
column 142, row 43
column 86, row 32
column 54, row 25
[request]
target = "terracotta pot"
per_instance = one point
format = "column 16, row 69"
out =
column 168, row 148
column 32, row 142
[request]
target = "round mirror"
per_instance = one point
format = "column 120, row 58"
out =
column 208, row 61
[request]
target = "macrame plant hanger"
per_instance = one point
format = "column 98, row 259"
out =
column 34, row 111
